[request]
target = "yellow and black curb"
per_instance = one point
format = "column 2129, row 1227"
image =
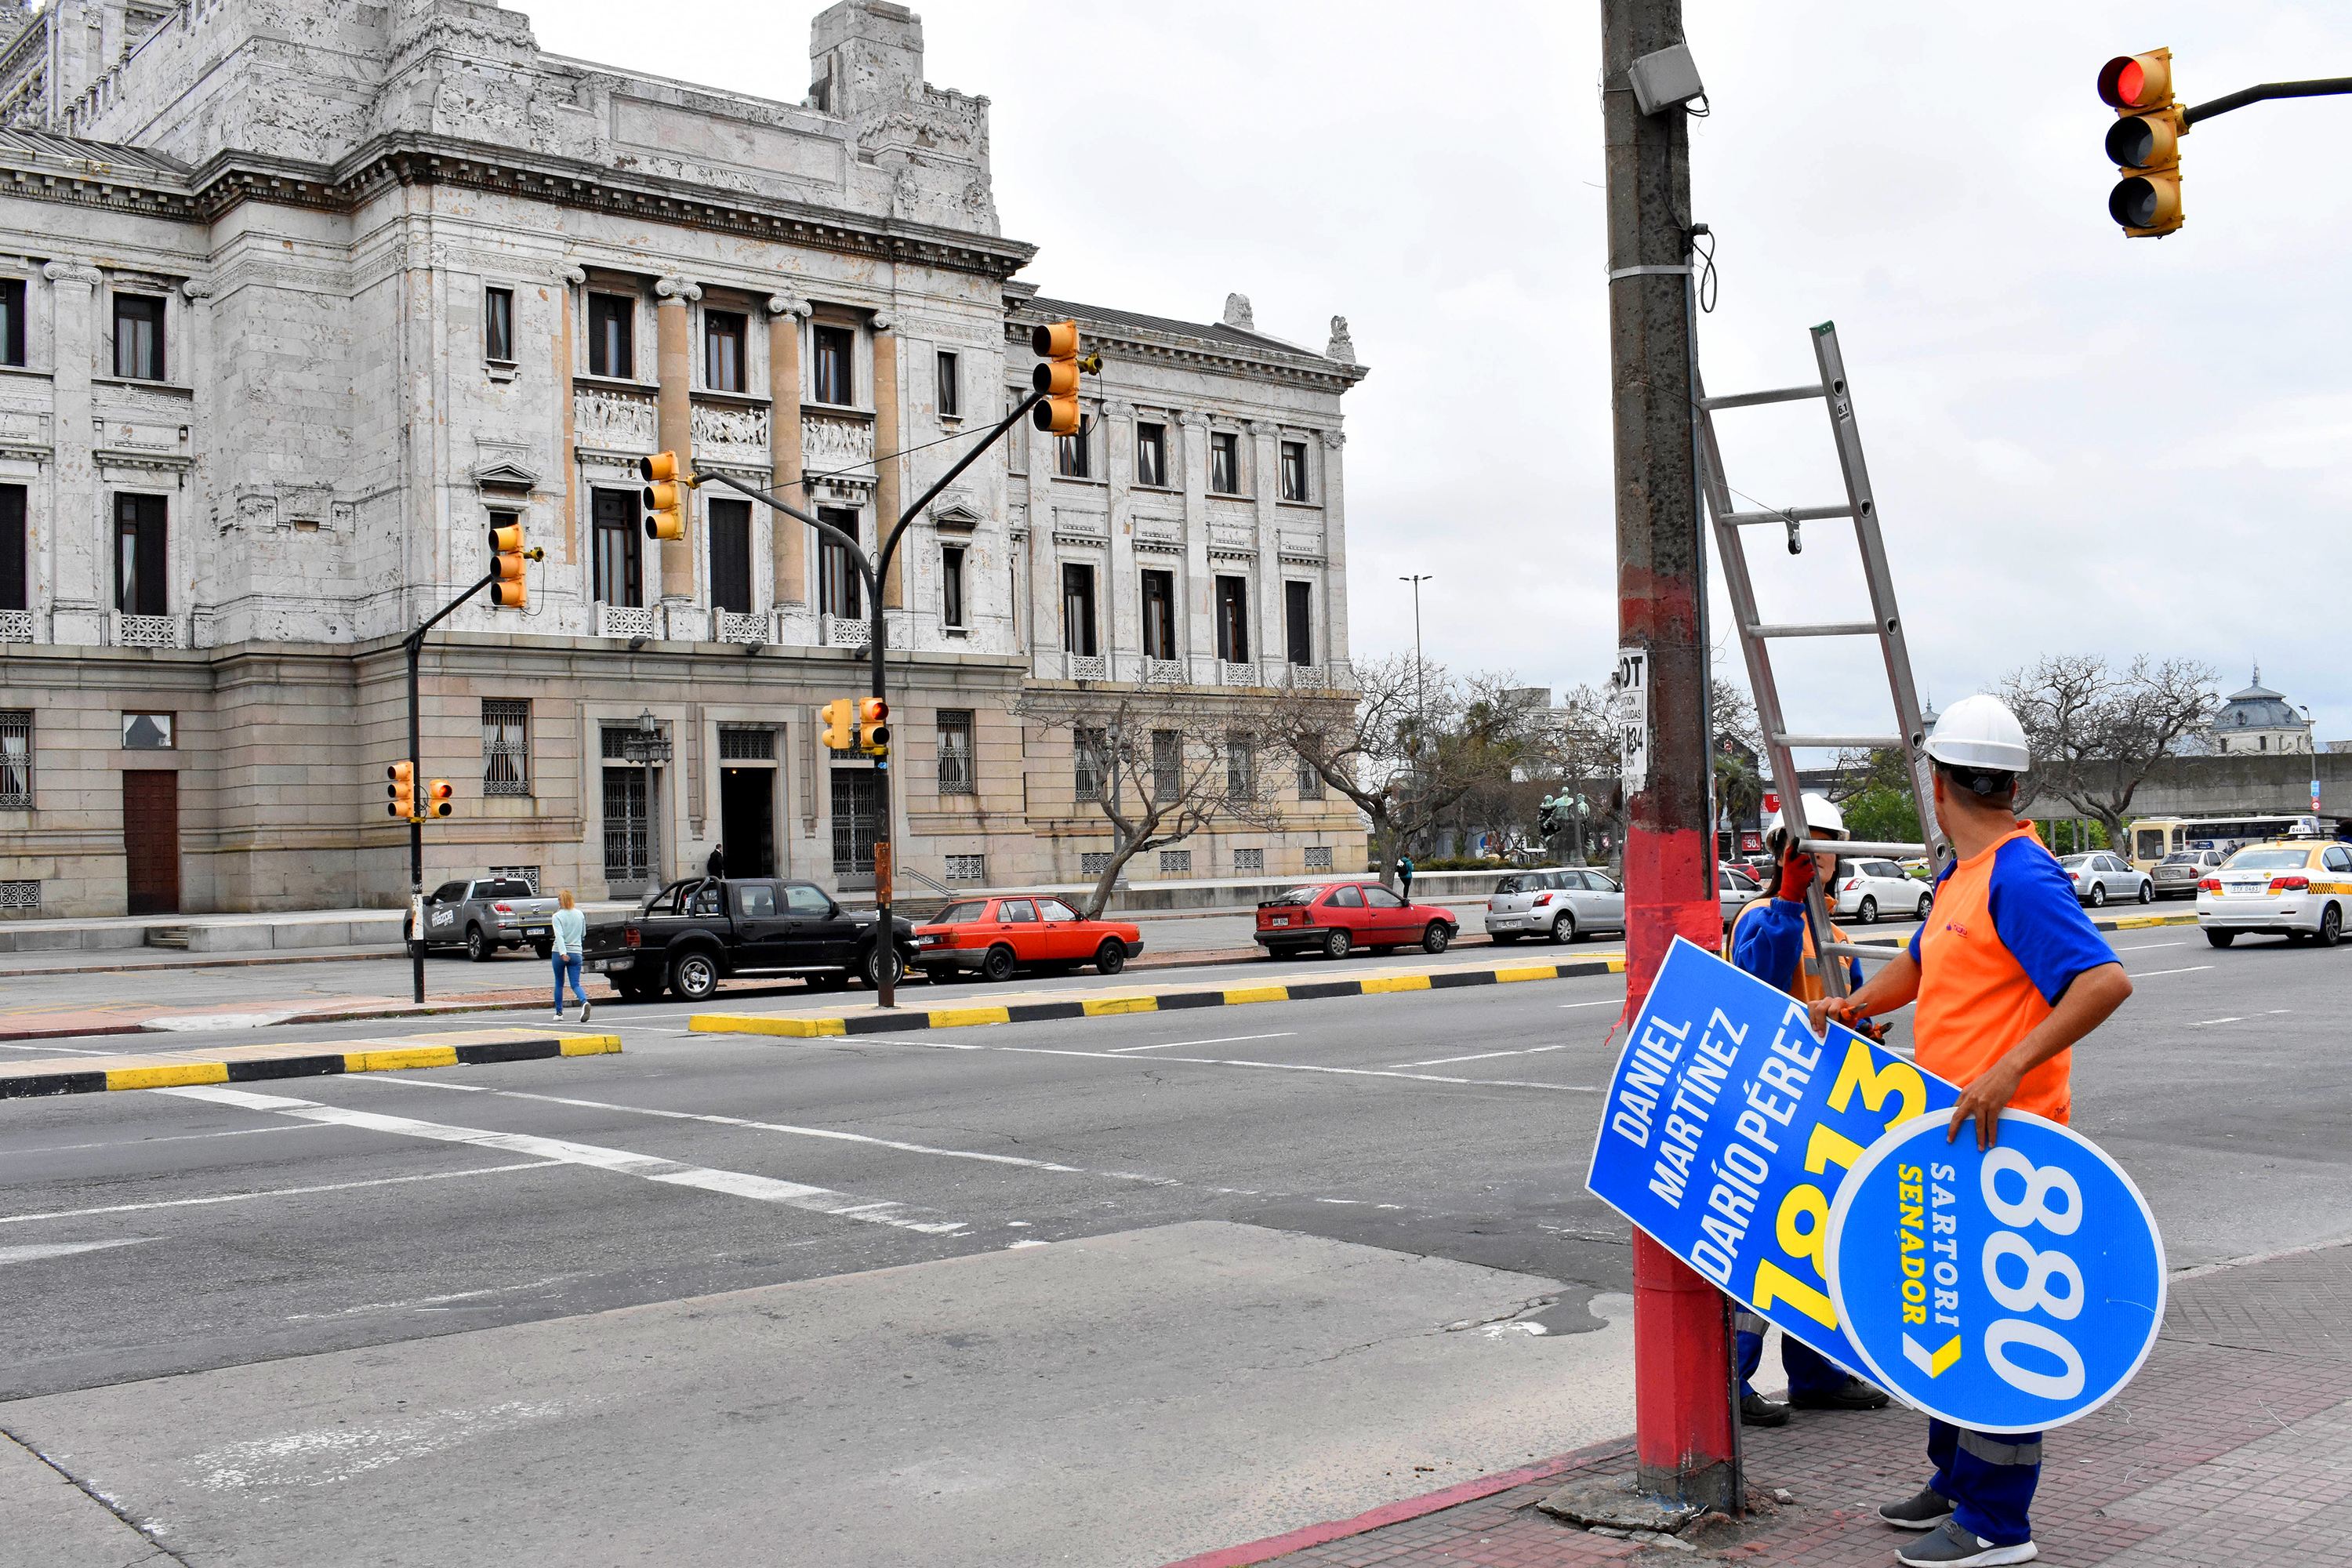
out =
column 256, row 1064
column 1113, row 1002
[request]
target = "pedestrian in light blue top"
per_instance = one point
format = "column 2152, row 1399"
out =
column 570, row 928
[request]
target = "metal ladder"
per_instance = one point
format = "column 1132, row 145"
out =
column 1755, row 635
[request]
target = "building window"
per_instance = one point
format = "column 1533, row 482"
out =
column 506, row 746
column 747, row 743
column 1093, row 863
column 955, row 752
column 1232, row 620
column 1167, row 766
column 139, row 523
column 617, row 533
column 612, row 327
column 498, row 325
column 1070, row 456
column 839, row 589
column 967, row 868
column 1152, row 455
column 16, row 759
column 1159, row 615
column 951, row 585
column 1241, row 764
column 951, row 394
column 1249, row 862
column 1089, row 752
column 731, row 555
column 1226, row 463
column 12, row 321
column 1295, row 628
column 1175, row 862
column 149, row 731
column 1311, row 783
column 1318, row 856
column 1294, row 470
column 15, row 574
column 1078, row 610
column 138, row 337
column 829, row 370
column 722, row 351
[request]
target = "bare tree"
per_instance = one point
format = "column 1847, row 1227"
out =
column 2096, row 733
column 1415, row 742
column 1161, row 763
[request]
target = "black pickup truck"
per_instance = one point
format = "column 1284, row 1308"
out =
column 694, row 933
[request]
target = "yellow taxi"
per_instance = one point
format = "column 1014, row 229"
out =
column 2293, row 887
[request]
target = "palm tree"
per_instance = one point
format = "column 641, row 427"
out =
column 1737, row 789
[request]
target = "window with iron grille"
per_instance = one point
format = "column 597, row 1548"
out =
column 1311, row 783
column 1094, row 865
column 1318, row 856
column 1089, row 752
column 746, row 743
column 1241, row 763
column 15, row 760
column 1167, row 766
column 527, row 875
column 1175, row 862
column 1247, row 861
column 506, row 746
column 20, row 895
column 967, row 868
column 955, row 751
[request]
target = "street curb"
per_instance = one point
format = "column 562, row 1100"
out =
column 258, row 1064
column 1136, row 1002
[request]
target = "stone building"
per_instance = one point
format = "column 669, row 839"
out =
column 2258, row 719
column 298, row 298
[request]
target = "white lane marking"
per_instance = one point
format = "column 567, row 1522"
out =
column 2267, row 1013
column 2149, row 974
column 45, row 1047
column 143, row 1142
column 1482, row 1055
column 63, row 1248
column 421, row 1301
column 274, row 1191
column 1234, row 1062
column 2142, row 947
column 1604, row 1001
column 200, row 1023
column 1224, row 1040
column 671, row 1172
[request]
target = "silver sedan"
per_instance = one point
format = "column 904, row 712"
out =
column 2101, row 877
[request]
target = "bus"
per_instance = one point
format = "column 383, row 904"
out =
column 2154, row 837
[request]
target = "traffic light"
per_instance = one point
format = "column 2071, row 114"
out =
column 507, row 555
column 873, row 727
column 839, row 715
column 436, row 797
column 665, row 495
column 2144, row 144
column 402, row 789
column 1056, row 343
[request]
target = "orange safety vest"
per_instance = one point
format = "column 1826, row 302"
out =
column 1975, row 1000
column 1806, row 985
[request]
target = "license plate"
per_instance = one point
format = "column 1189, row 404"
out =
column 2241, row 889
column 534, row 930
column 1281, row 920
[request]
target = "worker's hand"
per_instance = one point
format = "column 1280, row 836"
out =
column 1984, row 1100
column 1824, row 1008
column 1796, row 874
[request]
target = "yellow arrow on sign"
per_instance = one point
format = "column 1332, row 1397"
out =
column 1933, row 1366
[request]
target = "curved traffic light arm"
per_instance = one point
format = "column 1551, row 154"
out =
column 2327, row 87
column 890, row 545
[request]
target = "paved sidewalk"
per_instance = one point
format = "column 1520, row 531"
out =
column 2232, row 1447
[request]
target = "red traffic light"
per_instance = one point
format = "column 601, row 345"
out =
column 2136, row 81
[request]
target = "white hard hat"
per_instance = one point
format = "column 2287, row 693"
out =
column 1821, row 817
column 1980, row 733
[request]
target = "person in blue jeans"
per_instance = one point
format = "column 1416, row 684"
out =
column 570, row 929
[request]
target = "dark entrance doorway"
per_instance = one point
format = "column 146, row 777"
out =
column 151, row 841
column 856, row 811
column 746, row 820
column 629, row 848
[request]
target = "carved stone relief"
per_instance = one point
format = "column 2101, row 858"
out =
column 831, row 445
column 602, row 418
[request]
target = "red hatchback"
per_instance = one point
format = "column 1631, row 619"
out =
column 994, row 936
column 1339, row 917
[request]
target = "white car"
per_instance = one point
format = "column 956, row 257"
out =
column 2295, row 889
column 1867, row 890
column 1562, row 904
column 2102, row 876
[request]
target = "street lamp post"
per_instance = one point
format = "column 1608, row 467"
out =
column 1420, row 687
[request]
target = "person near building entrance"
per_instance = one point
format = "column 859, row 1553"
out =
column 1769, row 938
column 717, row 864
column 2009, row 973
column 567, row 931
column 1404, row 875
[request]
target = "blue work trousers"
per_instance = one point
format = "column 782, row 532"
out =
column 1989, row 1478
column 1810, row 1372
column 567, row 967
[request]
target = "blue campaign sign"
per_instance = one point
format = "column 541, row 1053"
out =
column 1730, row 1125
column 2012, row 1290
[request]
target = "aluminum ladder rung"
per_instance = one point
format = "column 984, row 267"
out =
column 1823, row 629
column 1867, row 951
column 1750, row 399
column 1842, row 742
column 1794, row 514
column 1859, row 846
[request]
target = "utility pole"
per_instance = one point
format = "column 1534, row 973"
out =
column 1686, row 1434
column 1420, row 688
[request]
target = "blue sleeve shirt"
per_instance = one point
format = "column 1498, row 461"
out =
column 2037, row 917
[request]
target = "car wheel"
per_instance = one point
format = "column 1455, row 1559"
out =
column 1337, row 943
column 694, row 977
column 544, row 949
column 2331, row 926
column 1563, row 930
column 1866, row 913
column 1111, row 956
column 479, row 948
column 1503, row 938
column 1926, row 905
column 2220, row 938
column 997, row 967
column 2147, row 894
column 1437, row 937
column 882, row 961
column 2098, row 895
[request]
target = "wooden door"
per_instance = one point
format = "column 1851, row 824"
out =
column 150, row 840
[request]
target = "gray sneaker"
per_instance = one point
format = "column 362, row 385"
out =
column 1925, row 1511
column 1952, row 1547
column 586, row 1007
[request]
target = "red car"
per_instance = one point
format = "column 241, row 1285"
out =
column 1338, row 917
column 1034, row 932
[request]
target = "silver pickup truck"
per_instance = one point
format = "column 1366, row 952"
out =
column 487, row 914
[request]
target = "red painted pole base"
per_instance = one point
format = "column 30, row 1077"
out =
column 1683, row 1422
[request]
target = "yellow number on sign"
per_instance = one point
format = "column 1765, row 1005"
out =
column 1829, row 1147
column 1876, row 1083
column 1800, row 1202
column 1774, row 1283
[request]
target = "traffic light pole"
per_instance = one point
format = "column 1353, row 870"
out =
column 1685, row 1435
column 872, row 573
column 416, row 647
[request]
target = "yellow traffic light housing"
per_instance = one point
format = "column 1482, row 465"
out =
column 2144, row 144
column 839, row 716
column 508, row 590
column 402, row 789
column 665, row 495
column 1056, row 346
column 873, row 727
column 436, row 797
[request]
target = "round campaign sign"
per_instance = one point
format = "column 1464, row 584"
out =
column 2012, row 1290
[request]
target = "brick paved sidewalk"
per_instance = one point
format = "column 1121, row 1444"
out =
column 2232, row 1447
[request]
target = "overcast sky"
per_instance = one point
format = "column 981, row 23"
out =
column 2079, row 443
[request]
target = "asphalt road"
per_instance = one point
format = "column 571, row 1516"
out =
column 421, row 1235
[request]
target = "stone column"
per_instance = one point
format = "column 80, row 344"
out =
column 1122, row 590
column 192, row 563
column 81, row 587
column 1334, row 654
column 674, row 419
column 888, row 438
column 1199, row 649
column 1044, row 584
column 788, row 540
column 1272, row 647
